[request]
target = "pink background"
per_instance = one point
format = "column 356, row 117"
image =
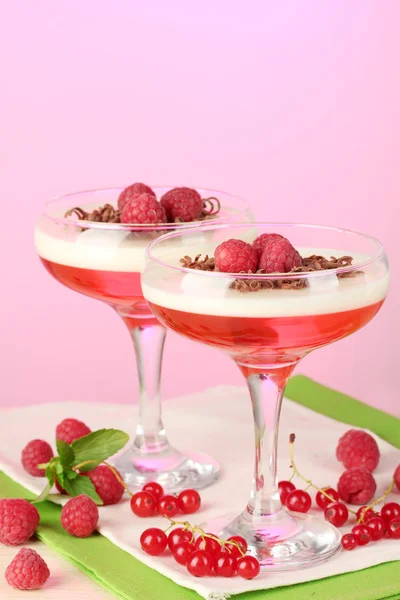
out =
column 294, row 105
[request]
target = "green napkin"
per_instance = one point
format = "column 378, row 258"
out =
column 129, row 579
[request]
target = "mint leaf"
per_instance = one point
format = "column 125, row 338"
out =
column 70, row 474
column 98, row 445
column 82, row 485
column 65, row 453
column 50, row 476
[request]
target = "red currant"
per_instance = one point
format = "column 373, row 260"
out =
column 322, row 501
column 168, row 506
column 155, row 489
column 390, row 511
column 189, row 501
column 299, row 501
column 143, row 504
column 349, row 541
column 182, row 551
column 153, row 541
column 209, row 545
column 394, row 528
column 336, row 513
column 233, row 548
column 199, row 563
column 376, row 527
column 285, row 487
column 248, row 567
column 225, row 564
column 177, row 536
column 364, row 513
column 362, row 534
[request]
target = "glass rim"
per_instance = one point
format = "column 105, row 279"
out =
column 272, row 276
column 143, row 227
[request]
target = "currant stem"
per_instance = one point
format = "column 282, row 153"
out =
column 377, row 501
column 196, row 529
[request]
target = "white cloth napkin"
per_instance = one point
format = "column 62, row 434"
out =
column 217, row 421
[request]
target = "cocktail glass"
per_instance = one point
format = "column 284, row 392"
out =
column 104, row 261
column 267, row 332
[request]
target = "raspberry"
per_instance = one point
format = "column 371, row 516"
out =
column 183, row 204
column 71, row 429
column 107, row 485
column 356, row 448
column 35, row 453
column 235, row 256
column 396, row 477
column 143, row 208
column 261, row 241
column 79, row 516
column 356, row 485
column 279, row 256
column 27, row 570
column 18, row 521
column 132, row 190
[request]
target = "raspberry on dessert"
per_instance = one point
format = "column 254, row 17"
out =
column 261, row 241
column 356, row 486
column 80, row 516
column 279, row 256
column 107, row 485
column 235, row 256
column 357, row 448
column 183, row 204
column 27, row 570
column 18, row 521
column 133, row 190
column 35, row 453
column 396, row 477
column 70, row 430
column 143, row 208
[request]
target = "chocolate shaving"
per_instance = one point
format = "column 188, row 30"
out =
column 103, row 214
column 207, row 264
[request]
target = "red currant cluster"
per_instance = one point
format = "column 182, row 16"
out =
column 372, row 526
column 203, row 554
column 152, row 501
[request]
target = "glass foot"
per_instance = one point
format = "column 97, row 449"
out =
column 285, row 541
column 173, row 470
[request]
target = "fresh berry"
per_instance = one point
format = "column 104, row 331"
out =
column 394, row 528
column 153, row 541
column 35, row 453
column 155, row 489
column 279, row 256
column 18, row 521
column 189, row 501
column 199, row 563
column 27, row 570
column 107, row 485
column 178, row 536
column 299, row 501
column 168, row 506
column 143, row 504
column 143, row 208
column 336, row 513
column 133, row 190
column 182, row 551
column 262, row 240
column 71, row 429
column 357, row 448
column 390, row 511
column 79, row 516
column 248, row 567
column 225, row 565
column 396, row 477
column 322, row 501
column 285, row 487
column 182, row 204
column 235, row 256
column 377, row 528
column 364, row 514
column 349, row 541
column 356, row 485
column 233, row 548
column 209, row 545
column 362, row 534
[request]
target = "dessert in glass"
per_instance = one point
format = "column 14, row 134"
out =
column 94, row 243
column 267, row 294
